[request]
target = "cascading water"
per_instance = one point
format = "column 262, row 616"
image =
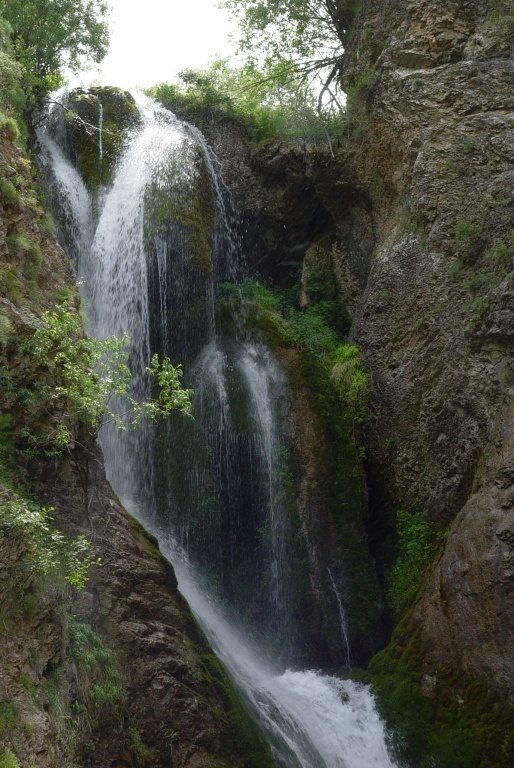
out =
column 214, row 490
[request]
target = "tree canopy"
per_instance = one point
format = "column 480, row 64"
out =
column 302, row 39
column 49, row 35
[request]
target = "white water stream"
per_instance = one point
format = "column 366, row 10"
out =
column 311, row 720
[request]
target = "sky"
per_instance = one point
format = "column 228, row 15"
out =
column 151, row 40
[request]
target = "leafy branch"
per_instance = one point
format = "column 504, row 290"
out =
column 92, row 385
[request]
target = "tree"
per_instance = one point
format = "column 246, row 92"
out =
column 303, row 38
column 49, row 35
column 90, row 377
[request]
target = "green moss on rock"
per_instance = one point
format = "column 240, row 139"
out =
column 246, row 742
column 439, row 718
column 331, row 487
column 183, row 208
column 120, row 115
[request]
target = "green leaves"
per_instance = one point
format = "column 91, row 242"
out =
column 47, row 552
column 92, row 374
column 297, row 41
column 51, row 34
column 351, row 380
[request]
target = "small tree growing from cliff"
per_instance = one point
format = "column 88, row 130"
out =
column 299, row 40
column 89, row 376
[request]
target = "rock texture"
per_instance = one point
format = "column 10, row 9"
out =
column 435, row 321
column 177, row 692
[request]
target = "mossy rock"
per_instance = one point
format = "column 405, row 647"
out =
column 98, row 152
column 182, row 209
column 246, row 742
column 438, row 717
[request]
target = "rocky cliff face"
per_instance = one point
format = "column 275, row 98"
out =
column 415, row 211
column 435, row 321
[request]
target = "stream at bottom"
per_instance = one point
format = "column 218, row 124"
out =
column 311, row 720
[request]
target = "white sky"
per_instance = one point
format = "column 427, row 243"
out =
column 151, row 40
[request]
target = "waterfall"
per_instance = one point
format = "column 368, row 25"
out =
column 342, row 618
column 217, row 490
column 100, row 130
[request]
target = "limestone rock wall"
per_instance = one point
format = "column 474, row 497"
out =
column 436, row 108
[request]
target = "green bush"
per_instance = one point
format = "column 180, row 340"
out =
column 8, row 192
column 5, row 328
column 7, row 759
column 142, row 754
column 10, row 285
column 264, row 103
column 9, row 716
column 309, row 332
column 93, row 372
column 416, row 548
column 350, row 379
column 9, row 125
column 18, row 244
column 48, row 552
column 100, row 693
column 32, row 263
column 10, row 77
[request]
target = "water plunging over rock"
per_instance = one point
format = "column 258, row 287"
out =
column 219, row 491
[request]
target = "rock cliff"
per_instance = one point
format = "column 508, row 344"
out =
column 434, row 102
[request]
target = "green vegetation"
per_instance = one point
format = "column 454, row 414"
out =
column 289, row 82
column 351, row 380
column 90, row 375
column 172, row 201
column 119, row 115
column 49, row 36
column 330, row 388
column 468, row 241
column 246, row 738
column 500, row 22
column 460, row 159
column 9, row 716
column 359, row 92
column 100, row 694
column 301, row 40
column 12, row 95
column 93, row 373
column 447, row 720
column 315, row 330
column 416, row 549
column 7, row 759
column 62, row 372
column 10, row 70
column 496, row 263
column 47, row 554
column 143, row 755
column 264, row 106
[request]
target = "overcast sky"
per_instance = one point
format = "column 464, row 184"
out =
column 151, row 40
